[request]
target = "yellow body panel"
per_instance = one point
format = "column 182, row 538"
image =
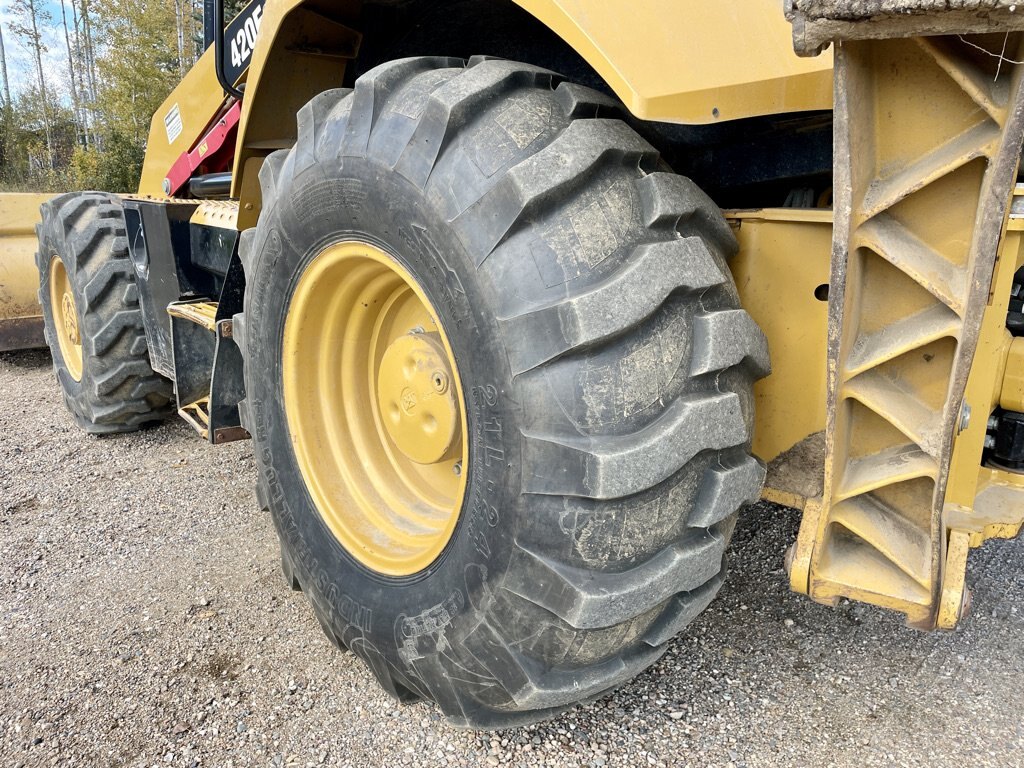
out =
column 180, row 122
column 782, row 263
column 21, row 320
column 692, row 61
column 977, row 497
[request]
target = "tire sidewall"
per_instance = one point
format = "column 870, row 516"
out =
column 405, row 618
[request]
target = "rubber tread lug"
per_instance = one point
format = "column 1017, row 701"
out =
column 725, row 489
column 683, row 609
column 725, row 338
column 555, row 170
column 670, row 200
column 614, row 305
column 594, row 599
column 609, row 467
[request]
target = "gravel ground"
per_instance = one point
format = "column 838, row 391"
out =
column 145, row 622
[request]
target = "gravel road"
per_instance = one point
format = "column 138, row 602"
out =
column 144, row 621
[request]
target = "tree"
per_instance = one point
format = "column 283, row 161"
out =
column 84, row 123
column 139, row 66
column 3, row 70
column 72, row 82
column 29, row 17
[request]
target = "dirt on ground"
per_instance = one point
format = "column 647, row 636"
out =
column 144, row 622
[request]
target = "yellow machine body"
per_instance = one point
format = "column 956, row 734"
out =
column 737, row 60
column 21, row 318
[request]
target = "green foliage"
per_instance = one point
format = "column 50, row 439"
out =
column 140, row 65
column 25, row 150
column 115, row 169
column 90, row 133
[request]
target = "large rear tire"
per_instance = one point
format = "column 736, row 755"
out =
column 92, row 320
column 605, row 365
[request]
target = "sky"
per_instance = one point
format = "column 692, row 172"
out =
column 20, row 65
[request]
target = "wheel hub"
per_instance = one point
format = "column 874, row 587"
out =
column 373, row 402
column 65, row 318
column 420, row 412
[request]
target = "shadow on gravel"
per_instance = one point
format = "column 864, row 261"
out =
column 26, row 359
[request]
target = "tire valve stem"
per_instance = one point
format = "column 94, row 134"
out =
column 457, row 468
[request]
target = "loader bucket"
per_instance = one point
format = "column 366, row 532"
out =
column 21, row 318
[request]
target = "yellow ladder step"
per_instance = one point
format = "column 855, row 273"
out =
column 198, row 415
column 202, row 313
column 897, row 406
column 904, row 544
column 914, row 331
column 908, row 253
column 893, row 465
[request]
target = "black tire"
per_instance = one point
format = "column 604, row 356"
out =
column 118, row 390
column 606, row 364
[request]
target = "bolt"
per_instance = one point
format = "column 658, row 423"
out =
column 457, row 468
column 440, row 382
column 990, row 441
column 166, row 186
column 965, row 417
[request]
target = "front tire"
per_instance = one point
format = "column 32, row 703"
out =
column 92, row 320
column 605, row 366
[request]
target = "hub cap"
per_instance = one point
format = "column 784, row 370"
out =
column 65, row 318
column 374, row 408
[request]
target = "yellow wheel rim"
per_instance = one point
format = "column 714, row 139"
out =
column 375, row 408
column 65, row 318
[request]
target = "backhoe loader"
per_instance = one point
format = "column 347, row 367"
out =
column 520, row 302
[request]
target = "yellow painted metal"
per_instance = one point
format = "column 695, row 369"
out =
column 222, row 214
column 679, row 61
column 416, row 400
column 988, row 502
column 692, row 61
column 180, row 122
column 302, row 50
column 998, row 509
column 65, row 317
column 21, row 317
column 926, row 151
column 203, row 313
column 198, row 415
column 361, row 338
column 1011, row 392
column 954, row 594
column 782, row 272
